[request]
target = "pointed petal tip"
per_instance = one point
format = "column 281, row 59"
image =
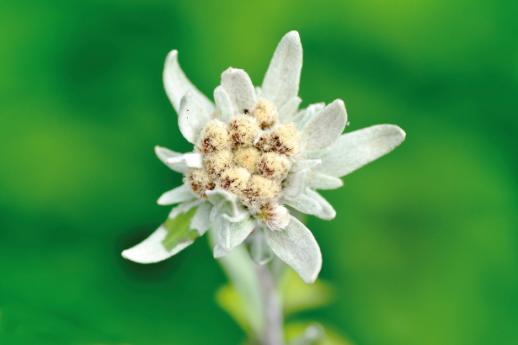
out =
column 176, row 84
column 339, row 104
column 355, row 149
column 331, row 216
column 158, row 150
column 130, row 255
column 326, row 126
column 137, row 257
column 232, row 70
column 397, row 131
column 171, row 56
column 281, row 81
column 161, row 201
column 127, row 254
column 292, row 35
column 298, row 248
column 163, row 153
column 176, row 195
column 402, row 133
column 310, row 279
column 341, row 107
column 313, row 277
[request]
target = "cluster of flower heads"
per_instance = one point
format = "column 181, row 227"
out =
column 250, row 157
column 257, row 160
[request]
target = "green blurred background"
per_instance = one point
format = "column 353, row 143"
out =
column 424, row 248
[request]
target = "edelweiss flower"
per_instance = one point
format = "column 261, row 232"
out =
column 257, row 161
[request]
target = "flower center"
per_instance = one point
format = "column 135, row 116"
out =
column 250, row 156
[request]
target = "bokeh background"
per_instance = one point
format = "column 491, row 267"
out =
column 424, row 248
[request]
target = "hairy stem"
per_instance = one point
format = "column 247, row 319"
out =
column 256, row 286
column 272, row 333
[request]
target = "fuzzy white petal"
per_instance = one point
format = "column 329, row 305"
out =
column 288, row 111
column 260, row 251
column 325, row 127
column 191, row 160
column 303, row 203
column 152, row 250
column 179, row 162
column 230, row 235
column 164, row 154
column 325, row 210
column 240, row 89
column 177, row 85
column 201, row 221
column 304, row 115
column 295, row 183
column 312, row 203
column 317, row 180
column 240, row 232
column 353, row 150
column 176, row 195
column 192, row 117
column 281, row 81
column 184, row 207
column 223, row 104
column 306, row 164
column 226, row 205
column 296, row 246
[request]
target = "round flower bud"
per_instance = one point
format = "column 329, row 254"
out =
column 214, row 137
column 285, row 139
column 264, row 142
column 200, row 181
column 273, row 165
column 260, row 189
column 234, row 180
column 247, row 157
column 243, row 130
column 266, row 114
column 215, row 163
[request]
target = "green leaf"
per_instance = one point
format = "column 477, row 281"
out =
column 298, row 296
column 179, row 230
